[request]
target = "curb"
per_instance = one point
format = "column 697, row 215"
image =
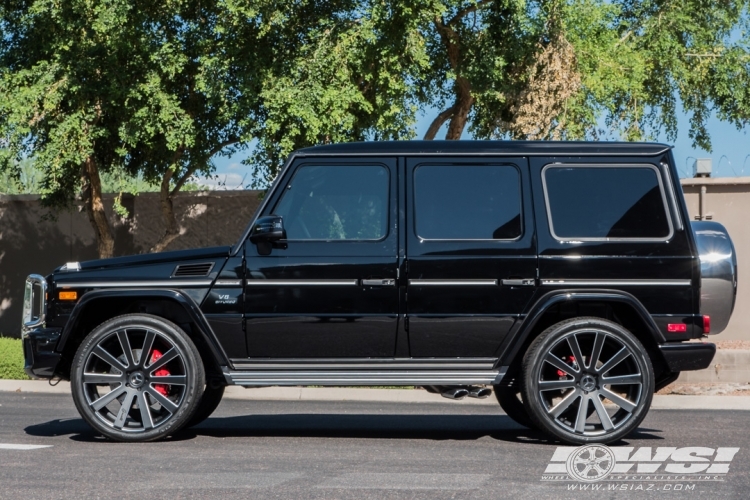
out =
column 668, row 402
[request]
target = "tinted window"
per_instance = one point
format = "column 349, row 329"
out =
column 332, row 202
column 467, row 202
column 608, row 202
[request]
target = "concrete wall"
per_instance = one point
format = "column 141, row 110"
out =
column 727, row 200
column 33, row 242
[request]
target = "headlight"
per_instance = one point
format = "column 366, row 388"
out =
column 34, row 302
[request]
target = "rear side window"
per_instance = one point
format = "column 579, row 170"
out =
column 467, row 202
column 606, row 202
column 336, row 202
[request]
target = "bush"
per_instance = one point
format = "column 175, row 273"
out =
column 11, row 359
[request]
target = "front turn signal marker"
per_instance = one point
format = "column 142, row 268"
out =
column 68, row 295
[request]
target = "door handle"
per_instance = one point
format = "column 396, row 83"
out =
column 519, row 282
column 379, row 282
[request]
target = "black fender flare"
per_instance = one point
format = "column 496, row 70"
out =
column 522, row 329
column 178, row 296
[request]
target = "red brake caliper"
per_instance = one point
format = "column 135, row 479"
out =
column 571, row 360
column 162, row 389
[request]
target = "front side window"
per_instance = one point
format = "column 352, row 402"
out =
column 606, row 202
column 336, row 202
column 467, row 202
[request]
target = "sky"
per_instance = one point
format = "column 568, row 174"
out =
column 730, row 156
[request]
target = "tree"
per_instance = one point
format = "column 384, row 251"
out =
column 90, row 88
column 550, row 69
column 356, row 75
column 538, row 69
column 159, row 90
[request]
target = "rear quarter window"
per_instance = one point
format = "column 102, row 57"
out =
column 606, row 202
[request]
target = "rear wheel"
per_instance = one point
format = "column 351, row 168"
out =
column 137, row 377
column 587, row 380
column 511, row 403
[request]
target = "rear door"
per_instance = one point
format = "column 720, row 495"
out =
column 332, row 292
column 611, row 223
column 471, row 256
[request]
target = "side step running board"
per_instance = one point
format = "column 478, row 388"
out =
column 361, row 377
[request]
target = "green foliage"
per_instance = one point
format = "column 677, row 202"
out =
column 353, row 74
column 21, row 178
column 631, row 63
column 11, row 359
column 152, row 92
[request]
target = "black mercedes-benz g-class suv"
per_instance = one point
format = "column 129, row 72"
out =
column 567, row 275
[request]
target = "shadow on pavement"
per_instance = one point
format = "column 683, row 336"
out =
column 429, row 427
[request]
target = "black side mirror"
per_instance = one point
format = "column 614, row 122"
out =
column 268, row 232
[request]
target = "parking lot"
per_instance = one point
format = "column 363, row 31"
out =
column 308, row 449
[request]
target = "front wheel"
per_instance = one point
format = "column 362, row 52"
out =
column 587, row 380
column 209, row 402
column 137, row 377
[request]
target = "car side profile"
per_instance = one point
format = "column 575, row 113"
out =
column 566, row 275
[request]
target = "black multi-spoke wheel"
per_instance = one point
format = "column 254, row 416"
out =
column 587, row 380
column 137, row 378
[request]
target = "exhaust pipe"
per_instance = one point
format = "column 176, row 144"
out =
column 455, row 392
column 479, row 392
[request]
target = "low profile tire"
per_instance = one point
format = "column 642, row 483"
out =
column 511, row 403
column 207, row 405
column 137, row 377
column 587, row 380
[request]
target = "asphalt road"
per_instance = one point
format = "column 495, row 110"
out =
column 283, row 449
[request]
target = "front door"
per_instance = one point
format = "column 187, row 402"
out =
column 471, row 253
column 332, row 292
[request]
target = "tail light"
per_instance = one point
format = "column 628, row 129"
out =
column 706, row 323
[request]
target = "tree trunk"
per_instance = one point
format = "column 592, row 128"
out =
column 167, row 212
column 464, row 102
column 94, row 205
column 459, row 112
column 438, row 122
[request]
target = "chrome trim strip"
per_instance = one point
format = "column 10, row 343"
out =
column 576, row 239
column 566, row 282
column 453, row 282
column 302, row 282
column 134, row 284
column 519, row 282
column 228, row 283
column 415, row 377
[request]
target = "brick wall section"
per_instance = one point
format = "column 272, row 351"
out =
column 32, row 242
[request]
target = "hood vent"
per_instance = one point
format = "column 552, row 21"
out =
column 192, row 270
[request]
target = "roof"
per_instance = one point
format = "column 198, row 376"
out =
column 520, row 148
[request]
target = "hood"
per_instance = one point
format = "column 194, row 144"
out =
column 211, row 253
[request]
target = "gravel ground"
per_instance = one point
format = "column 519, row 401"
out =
column 707, row 389
column 733, row 344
